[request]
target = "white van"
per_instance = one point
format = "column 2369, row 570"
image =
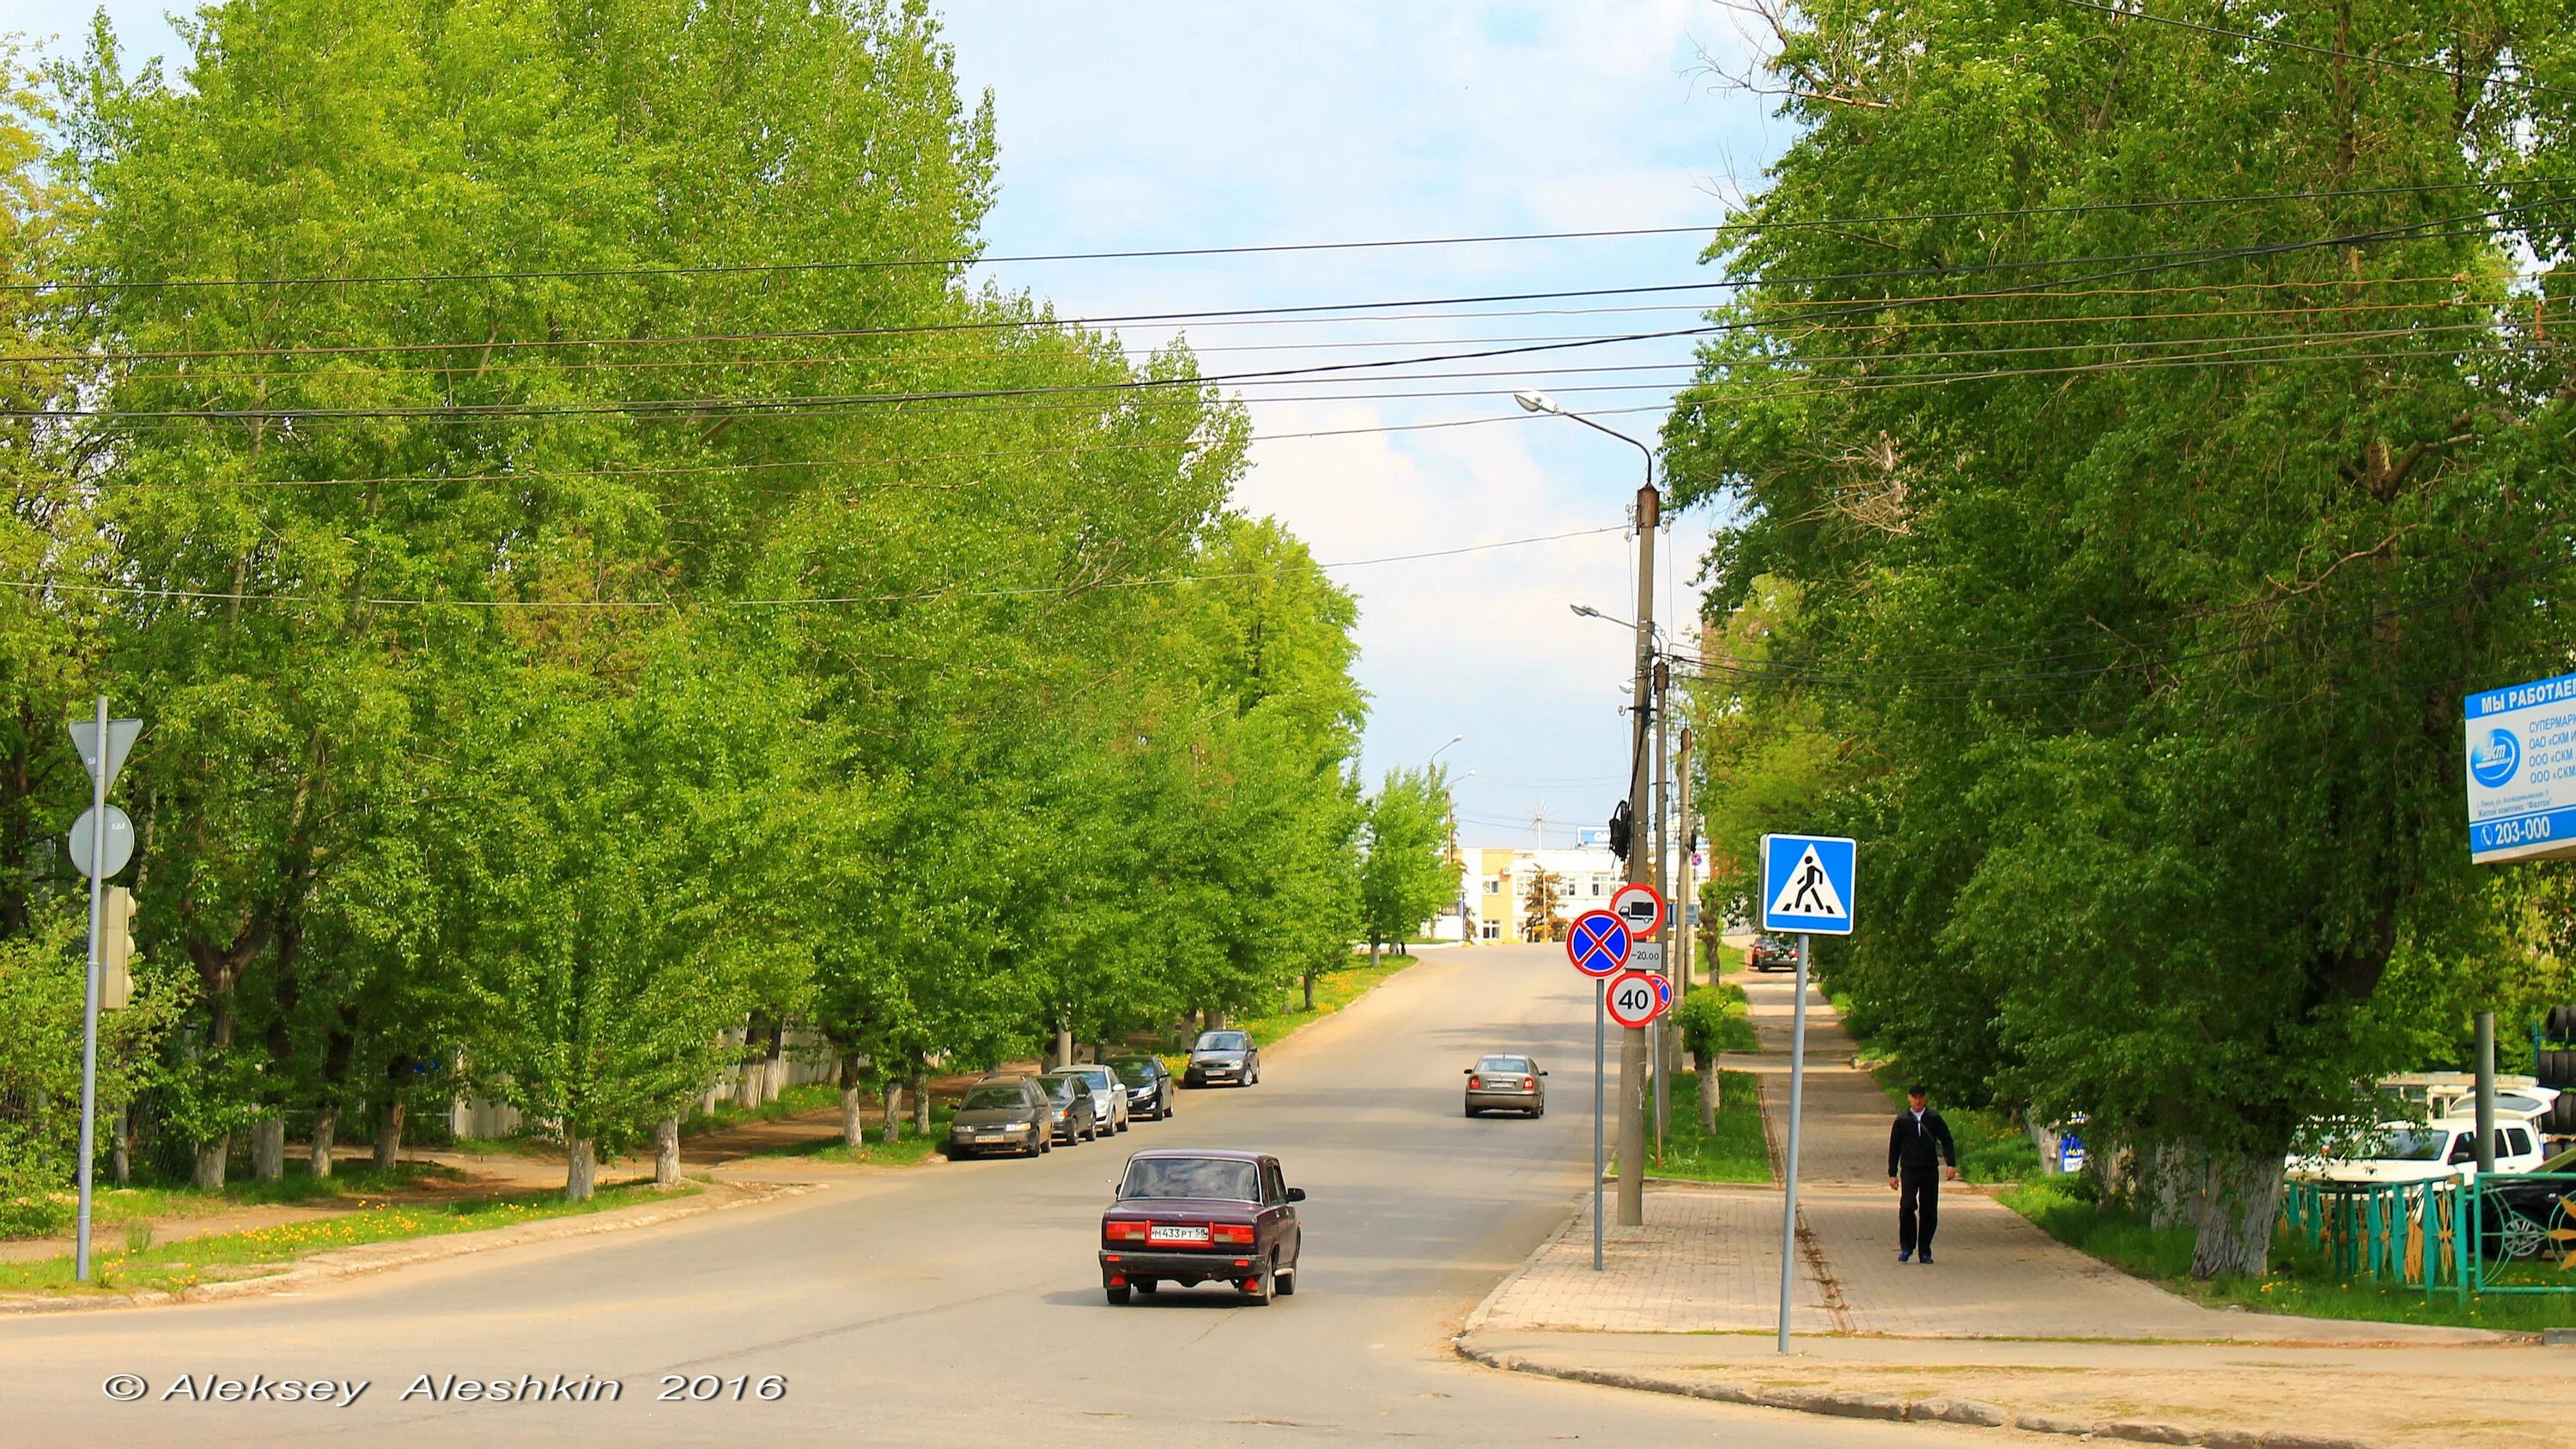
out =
column 2427, row 1152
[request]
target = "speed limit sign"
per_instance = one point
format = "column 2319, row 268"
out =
column 1632, row 999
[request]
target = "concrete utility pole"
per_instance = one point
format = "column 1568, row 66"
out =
column 1648, row 516
column 1641, row 871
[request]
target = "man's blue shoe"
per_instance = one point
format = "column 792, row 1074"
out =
column 1927, row 1257
column 1905, row 1255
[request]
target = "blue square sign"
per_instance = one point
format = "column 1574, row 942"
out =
column 1807, row 884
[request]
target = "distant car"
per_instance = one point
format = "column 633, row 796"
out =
column 1108, row 1094
column 1223, row 1056
column 1070, row 1109
column 1003, row 1114
column 1501, row 1083
column 1187, row 1216
column 1771, row 953
column 1150, row 1088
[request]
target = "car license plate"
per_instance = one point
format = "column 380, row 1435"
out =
column 1177, row 1233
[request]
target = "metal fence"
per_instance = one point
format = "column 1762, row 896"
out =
column 2509, row 1232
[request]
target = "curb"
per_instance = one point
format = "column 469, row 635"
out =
column 1846, row 1404
column 375, row 1258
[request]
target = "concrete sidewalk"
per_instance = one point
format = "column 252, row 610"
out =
column 2008, row 1327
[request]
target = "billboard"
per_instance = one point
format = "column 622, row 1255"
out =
column 2521, row 758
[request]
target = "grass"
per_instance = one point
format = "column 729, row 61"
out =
column 1735, row 1152
column 905, row 1151
column 124, row 1206
column 792, row 1102
column 2300, row 1281
column 185, row 1264
column 1730, row 960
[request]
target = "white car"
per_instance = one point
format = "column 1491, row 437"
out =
column 1108, row 1094
column 2409, row 1152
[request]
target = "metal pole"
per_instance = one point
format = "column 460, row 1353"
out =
column 1632, row 1044
column 1600, row 1024
column 2486, row 1094
column 1797, row 1094
column 89, row 1010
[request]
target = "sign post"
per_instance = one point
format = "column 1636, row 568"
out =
column 1806, row 888
column 100, row 849
column 1598, row 945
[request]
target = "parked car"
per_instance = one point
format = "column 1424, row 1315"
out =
column 1771, row 953
column 1506, row 1084
column 2530, row 1217
column 1071, row 1111
column 1223, row 1056
column 1149, row 1086
column 1187, row 1216
column 1108, row 1094
column 2424, row 1152
column 1003, row 1113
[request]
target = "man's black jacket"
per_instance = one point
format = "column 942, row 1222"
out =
column 1927, row 1146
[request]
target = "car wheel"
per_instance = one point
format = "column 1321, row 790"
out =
column 1123, row 1123
column 1046, row 1143
column 1472, row 1112
column 1117, row 1295
column 1288, row 1281
column 1258, row 1295
column 1146, row 1286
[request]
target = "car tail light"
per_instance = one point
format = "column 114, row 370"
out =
column 1117, row 1232
column 1475, row 1084
column 1230, row 1233
column 1529, row 1084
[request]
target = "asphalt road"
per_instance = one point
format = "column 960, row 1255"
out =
column 960, row 1304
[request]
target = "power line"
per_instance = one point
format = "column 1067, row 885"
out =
column 971, row 259
column 146, row 591
column 2450, row 73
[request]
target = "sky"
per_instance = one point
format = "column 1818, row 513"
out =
column 1146, row 124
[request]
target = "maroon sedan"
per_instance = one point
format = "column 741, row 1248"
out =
column 1186, row 1216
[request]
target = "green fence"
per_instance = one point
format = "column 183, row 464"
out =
column 2511, row 1232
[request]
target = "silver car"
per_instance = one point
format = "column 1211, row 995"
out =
column 1108, row 1094
column 1223, row 1056
column 1506, row 1082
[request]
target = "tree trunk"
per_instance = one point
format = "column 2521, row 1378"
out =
column 581, row 1170
column 389, row 1126
column 1373, row 950
column 921, row 1104
column 852, row 1134
column 891, row 1094
column 1063, row 1044
column 326, row 1133
column 2238, row 1204
column 1310, row 988
column 1706, row 1066
column 268, row 1149
column 666, row 1152
column 120, row 1155
column 773, row 1070
column 212, row 1158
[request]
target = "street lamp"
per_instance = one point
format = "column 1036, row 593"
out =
column 1632, row 1049
column 1435, row 754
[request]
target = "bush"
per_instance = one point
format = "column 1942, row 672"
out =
column 31, row 1204
column 1713, row 1020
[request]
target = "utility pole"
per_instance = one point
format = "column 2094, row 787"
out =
column 1686, row 892
column 1661, row 1030
column 1641, row 871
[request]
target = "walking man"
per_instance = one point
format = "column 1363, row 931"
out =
column 1919, row 1154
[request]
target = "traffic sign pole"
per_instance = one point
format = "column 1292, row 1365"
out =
column 89, row 1010
column 1797, row 1093
column 1600, row 1034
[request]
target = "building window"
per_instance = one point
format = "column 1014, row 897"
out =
column 1493, row 885
column 1598, row 888
column 1493, row 930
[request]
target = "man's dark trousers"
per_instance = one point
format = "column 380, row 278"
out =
column 1918, row 1208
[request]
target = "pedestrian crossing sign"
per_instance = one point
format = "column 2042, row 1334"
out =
column 1807, row 884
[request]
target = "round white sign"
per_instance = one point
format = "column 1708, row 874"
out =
column 1640, row 907
column 1632, row 1000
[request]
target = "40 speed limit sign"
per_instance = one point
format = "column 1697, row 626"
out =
column 1633, row 1000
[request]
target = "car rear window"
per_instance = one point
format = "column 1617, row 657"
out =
column 1136, row 1073
column 2413, row 1144
column 1098, row 1077
column 1061, row 1088
column 1229, row 1041
column 982, row 1098
column 1216, row 1177
column 1503, row 1064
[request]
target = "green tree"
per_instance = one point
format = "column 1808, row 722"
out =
column 2137, row 594
column 1406, row 875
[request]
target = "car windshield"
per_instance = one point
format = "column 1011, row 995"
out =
column 1228, row 1041
column 1098, row 1077
column 2412, row 1144
column 1135, row 1073
column 1503, row 1064
column 1218, row 1177
column 1060, row 1088
column 983, row 1099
